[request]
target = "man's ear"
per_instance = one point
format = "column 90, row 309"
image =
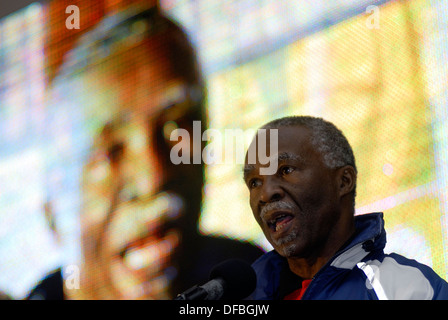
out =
column 346, row 180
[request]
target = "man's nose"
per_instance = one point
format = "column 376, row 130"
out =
column 271, row 191
column 143, row 176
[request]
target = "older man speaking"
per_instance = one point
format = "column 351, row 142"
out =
column 306, row 211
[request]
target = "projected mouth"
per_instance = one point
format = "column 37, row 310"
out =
column 146, row 251
column 139, row 219
column 143, row 238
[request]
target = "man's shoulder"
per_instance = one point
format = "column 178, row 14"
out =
column 269, row 265
column 426, row 270
column 403, row 278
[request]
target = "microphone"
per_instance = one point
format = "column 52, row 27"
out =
column 232, row 279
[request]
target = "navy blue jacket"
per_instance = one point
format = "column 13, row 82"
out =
column 360, row 271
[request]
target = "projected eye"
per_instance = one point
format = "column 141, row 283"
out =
column 168, row 128
column 115, row 152
column 166, row 122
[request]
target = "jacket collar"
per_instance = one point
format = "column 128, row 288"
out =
column 370, row 236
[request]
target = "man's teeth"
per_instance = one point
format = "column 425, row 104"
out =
column 278, row 226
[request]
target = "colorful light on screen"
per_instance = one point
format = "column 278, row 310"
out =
column 386, row 89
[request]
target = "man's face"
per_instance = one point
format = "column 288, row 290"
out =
column 134, row 197
column 297, row 206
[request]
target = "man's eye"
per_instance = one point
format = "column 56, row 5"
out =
column 254, row 183
column 286, row 170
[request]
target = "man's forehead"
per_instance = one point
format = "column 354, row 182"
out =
column 290, row 142
column 280, row 156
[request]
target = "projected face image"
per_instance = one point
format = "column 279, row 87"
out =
column 138, row 205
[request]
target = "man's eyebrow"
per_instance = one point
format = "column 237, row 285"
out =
column 284, row 156
column 289, row 156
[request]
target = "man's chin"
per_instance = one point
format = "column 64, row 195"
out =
column 288, row 250
column 293, row 249
column 287, row 246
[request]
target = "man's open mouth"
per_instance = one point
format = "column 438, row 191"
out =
column 279, row 221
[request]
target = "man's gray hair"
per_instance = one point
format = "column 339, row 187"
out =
column 325, row 137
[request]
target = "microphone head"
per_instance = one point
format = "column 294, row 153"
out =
column 239, row 278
